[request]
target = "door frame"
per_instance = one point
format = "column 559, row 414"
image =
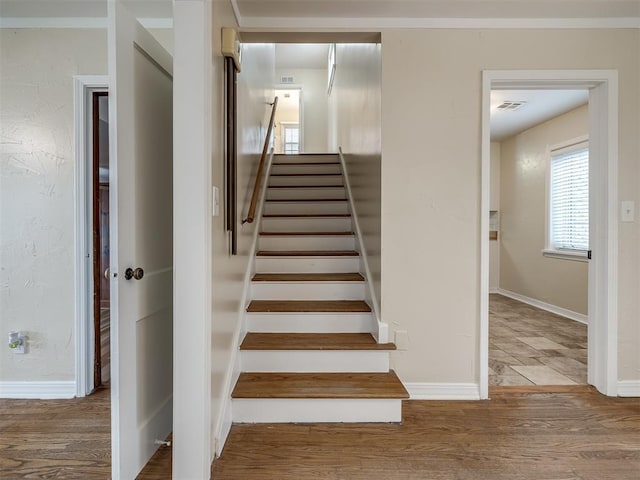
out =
column 602, row 369
column 83, row 88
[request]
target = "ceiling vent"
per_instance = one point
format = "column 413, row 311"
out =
column 510, row 105
column 287, row 79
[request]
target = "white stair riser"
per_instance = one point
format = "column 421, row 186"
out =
column 321, row 242
column 306, row 157
column 306, row 180
column 307, row 291
column 274, row 208
column 315, row 361
column 310, row 322
column 307, row 192
column 315, row 410
column 307, row 264
column 306, row 169
column 310, row 224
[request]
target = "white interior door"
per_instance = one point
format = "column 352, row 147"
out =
column 140, row 102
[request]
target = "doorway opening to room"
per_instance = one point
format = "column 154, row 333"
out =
column 100, row 238
column 288, row 134
column 546, row 317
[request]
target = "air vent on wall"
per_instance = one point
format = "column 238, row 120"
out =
column 287, row 79
column 511, row 105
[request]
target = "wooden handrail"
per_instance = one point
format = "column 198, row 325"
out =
column 263, row 158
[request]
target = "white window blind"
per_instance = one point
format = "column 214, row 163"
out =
column 569, row 192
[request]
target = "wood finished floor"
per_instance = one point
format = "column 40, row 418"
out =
column 563, row 433
column 578, row 435
column 530, row 346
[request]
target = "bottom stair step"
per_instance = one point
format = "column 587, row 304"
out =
column 318, row 397
column 320, row 385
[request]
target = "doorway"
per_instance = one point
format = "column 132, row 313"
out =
column 100, row 239
column 602, row 293
column 288, row 138
column 92, row 323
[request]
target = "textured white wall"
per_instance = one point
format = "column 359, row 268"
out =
column 37, row 194
column 355, row 99
column 255, row 89
column 523, row 268
column 431, row 126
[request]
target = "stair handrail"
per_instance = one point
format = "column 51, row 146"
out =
column 256, row 188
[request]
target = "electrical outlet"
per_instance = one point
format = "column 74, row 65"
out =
column 627, row 211
column 18, row 342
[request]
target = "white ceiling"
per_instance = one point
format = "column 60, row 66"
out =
column 81, row 8
column 301, row 55
column 540, row 106
column 439, row 8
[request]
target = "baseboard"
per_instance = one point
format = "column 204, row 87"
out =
column 563, row 312
column 494, row 290
column 629, row 388
column 443, row 391
column 38, row 390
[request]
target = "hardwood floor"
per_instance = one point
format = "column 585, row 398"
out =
column 549, row 433
column 530, row 346
column 517, row 435
column 68, row 439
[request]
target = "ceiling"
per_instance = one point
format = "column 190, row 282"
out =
column 539, row 106
column 301, row 55
column 353, row 13
column 439, row 8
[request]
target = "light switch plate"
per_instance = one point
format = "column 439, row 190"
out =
column 627, row 211
column 216, row 201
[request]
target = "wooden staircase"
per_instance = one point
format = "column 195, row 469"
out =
column 309, row 354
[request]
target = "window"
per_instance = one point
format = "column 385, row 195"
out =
column 291, row 139
column 568, row 214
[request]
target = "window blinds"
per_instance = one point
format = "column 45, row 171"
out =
column 570, row 199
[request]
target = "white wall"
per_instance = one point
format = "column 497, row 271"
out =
column 431, row 104
column 355, row 98
column 255, row 90
column 494, row 205
column 37, row 194
column 523, row 268
column 315, row 100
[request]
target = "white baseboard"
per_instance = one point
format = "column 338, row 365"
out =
column 443, row 391
column 629, row 388
column 38, row 390
column 563, row 312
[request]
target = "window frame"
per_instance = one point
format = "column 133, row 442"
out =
column 549, row 250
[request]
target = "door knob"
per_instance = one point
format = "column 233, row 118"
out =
column 130, row 273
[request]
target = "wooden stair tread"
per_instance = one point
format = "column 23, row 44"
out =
column 305, row 163
column 296, row 200
column 307, row 253
column 305, row 186
column 308, row 277
column 306, row 234
column 319, row 385
column 306, row 174
column 312, row 341
column 308, row 306
column 306, row 215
